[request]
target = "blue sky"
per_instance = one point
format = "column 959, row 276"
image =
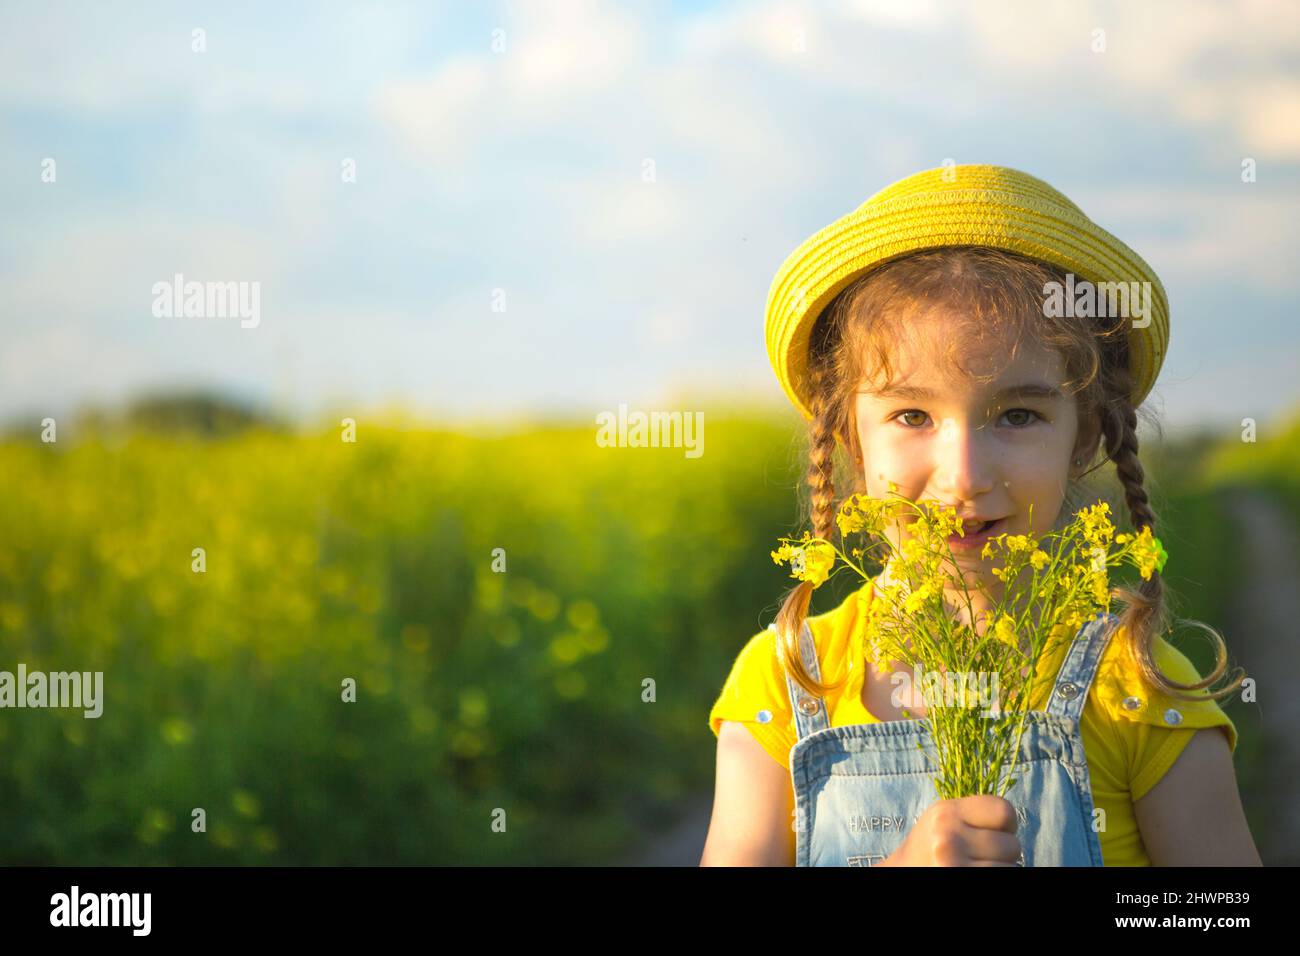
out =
column 520, row 169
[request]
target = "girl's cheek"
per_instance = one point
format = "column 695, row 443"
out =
column 884, row 464
column 1040, row 485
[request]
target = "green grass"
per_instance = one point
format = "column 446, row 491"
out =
column 482, row 696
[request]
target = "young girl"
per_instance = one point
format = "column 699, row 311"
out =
column 941, row 336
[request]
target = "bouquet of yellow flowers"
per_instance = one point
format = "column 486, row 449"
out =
column 978, row 666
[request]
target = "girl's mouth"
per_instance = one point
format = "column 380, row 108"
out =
column 976, row 535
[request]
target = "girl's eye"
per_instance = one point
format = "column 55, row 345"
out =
column 912, row 411
column 1011, row 411
column 1027, row 411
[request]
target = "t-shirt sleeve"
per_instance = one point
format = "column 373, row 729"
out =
column 755, row 694
column 1152, row 727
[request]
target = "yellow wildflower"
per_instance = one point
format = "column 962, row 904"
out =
column 853, row 516
column 1097, row 528
column 1039, row 559
column 945, row 520
column 1149, row 553
column 862, row 513
column 1101, row 589
column 914, row 552
column 811, row 559
column 1005, row 630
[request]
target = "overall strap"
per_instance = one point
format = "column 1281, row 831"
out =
column 809, row 712
column 1075, row 676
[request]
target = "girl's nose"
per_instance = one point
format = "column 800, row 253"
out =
column 964, row 465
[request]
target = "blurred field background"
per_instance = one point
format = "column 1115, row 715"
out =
column 477, row 690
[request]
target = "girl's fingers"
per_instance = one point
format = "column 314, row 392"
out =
column 989, row 813
column 994, row 846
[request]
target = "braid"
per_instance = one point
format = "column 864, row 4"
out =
column 820, row 475
column 821, row 483
column 1147, row 613
column 1119, row 426
column 1129, row 468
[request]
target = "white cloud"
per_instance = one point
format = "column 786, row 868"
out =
column 1270, row 120
column 1246, row 233
column 57, row 360
column 921, row 15
column 1210, row 64
column 784, row 33
column 553, row 53
column 132, row 59
column 443, row 115
column 665, row 328
column 633, row 210
column 570, row 47
column 106, row 266
column 1215, row 390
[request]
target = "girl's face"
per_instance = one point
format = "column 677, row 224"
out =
column 989, row 448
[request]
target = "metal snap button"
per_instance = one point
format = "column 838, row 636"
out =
column 1132, row 703
column 809, row 705
column 764, row 716
column 1069, row 690
column 1173, row 717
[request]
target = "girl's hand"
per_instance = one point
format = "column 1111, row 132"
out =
column 968, row 831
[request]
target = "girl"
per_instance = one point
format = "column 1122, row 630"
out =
column 943, row 336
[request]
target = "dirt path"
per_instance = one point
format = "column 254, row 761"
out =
column 1265, row 628
column 682, row 844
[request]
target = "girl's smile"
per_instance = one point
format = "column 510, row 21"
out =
column 975, row 534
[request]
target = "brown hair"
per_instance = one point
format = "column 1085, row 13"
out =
column 998, row 293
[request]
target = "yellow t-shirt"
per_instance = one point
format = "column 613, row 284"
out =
column 1128, row 751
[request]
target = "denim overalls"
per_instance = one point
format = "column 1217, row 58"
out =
column 859, row 788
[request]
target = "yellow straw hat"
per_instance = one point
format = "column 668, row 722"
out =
column 972, row 205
